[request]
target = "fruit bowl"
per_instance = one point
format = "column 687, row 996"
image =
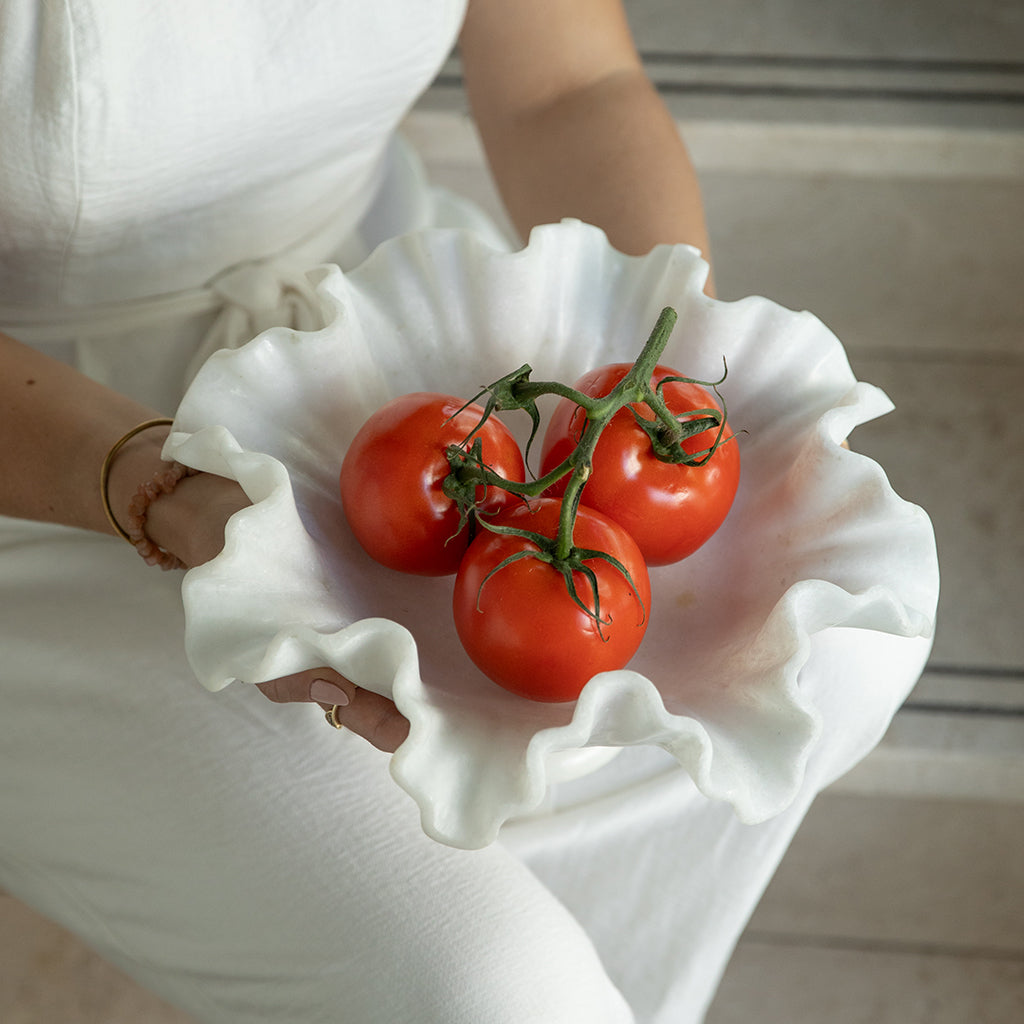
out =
column 816, row 538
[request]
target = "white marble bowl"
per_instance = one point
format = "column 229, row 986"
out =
column 816, row 538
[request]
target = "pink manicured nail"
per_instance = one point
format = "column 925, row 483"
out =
column 324, row 692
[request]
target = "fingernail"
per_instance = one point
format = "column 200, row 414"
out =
column 325, row 692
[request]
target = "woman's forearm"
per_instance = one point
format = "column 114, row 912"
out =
column 572, row 125
column 58, row 425
column 609, row 154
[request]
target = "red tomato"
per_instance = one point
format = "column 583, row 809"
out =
column 521, row 627
column 392, row 477
column 670, row 509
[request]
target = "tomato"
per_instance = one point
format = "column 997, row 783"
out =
column 393, row 474
column 522, row 628
column 670, row 509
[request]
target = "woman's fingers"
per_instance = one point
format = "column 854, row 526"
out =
column 375, row 718
column 299, row 688
column 363, row 712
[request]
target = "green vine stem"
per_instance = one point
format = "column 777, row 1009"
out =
column 515, row 391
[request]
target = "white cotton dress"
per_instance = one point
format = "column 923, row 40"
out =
column 167, row 174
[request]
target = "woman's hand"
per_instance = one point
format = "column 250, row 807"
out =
column 363, row 712
column 191, row 522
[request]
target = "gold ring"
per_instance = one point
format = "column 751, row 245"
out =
column 332, row 717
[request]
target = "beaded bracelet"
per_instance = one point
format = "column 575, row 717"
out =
column 164, row 481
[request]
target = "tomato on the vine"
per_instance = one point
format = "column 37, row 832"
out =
column 520, row 625
column 392, row 481
column 670, row 509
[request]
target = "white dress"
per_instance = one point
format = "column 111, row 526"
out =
column 167, row 173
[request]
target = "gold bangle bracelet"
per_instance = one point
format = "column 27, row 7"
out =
column 161, row 421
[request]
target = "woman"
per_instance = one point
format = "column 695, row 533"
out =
column 571, row 126
column 163, row 182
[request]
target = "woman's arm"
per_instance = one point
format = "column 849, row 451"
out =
column 572, row 126
column 57, row 427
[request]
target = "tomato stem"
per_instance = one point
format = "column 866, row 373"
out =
column 634, row 387
column 516, row 391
